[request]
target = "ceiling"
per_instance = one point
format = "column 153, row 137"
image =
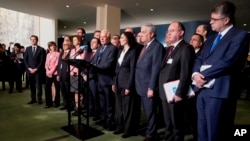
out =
column 134, row 12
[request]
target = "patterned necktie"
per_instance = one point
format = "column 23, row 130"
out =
column 170, row 50
column 142, row 52
column 216, row 41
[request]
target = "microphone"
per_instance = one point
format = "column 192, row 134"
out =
column 82, row 49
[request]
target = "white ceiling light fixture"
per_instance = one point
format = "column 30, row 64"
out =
column 244, row 24
column 84, row 22
column 67, row 6
column 151, row 9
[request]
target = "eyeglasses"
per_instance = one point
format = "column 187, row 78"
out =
column 214, row 19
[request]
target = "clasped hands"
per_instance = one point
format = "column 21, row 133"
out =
column 199, row 80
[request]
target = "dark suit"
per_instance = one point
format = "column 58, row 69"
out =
column 216, row 106
column 37, row 62
column 146, row 77
column 124, row 79
column 94, row 100
column 180, row 68
column 64, row 78
column 105, row 63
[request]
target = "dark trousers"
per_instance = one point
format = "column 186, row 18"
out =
column 35, row 85
column 106, row 103
column 48, row 91
column 27, row 83
column 149, row 105
column 191, row 116
column 16, row 78
column 64, row 85
column 94, row 99
column 215, row 117
column 174, row 120
column 125, row 115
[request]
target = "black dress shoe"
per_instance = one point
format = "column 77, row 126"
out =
column 63, row 108
column 56, row 106
column 118, row 131
column 96, row 118
column 126, row 135
column 47, row 106
column 150, row 139
column 100, row 122
column 31, row 102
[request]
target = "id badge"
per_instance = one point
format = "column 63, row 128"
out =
column 170, row 61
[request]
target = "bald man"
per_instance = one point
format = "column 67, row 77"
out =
column 203, row 30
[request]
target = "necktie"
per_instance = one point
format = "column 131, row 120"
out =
column 92, row 56
column 170, row 50
column 216, row 41
column 33, row 51
column 142, row 52
column 102, row 49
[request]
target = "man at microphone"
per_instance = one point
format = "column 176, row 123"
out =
column 105, row 61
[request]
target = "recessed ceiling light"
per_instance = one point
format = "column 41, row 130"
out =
column 84, row 22
column 137, row 4
column 65, row 26
column 244, row 24
column 67, row 6
column 151, row 9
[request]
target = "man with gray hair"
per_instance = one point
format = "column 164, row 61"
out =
column 147, row 74
column 105, row 61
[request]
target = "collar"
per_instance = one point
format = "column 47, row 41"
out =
column 176, row 43
column 225, row 31
column 149, row 43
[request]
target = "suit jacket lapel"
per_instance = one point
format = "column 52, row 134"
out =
column 164, row 62
column 226, row 37
column 148, row 49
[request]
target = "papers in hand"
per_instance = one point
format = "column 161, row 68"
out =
column 210, row 83
column 171, row 87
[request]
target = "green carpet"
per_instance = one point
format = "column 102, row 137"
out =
column 22, row 122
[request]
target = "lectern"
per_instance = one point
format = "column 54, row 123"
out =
column 80, row 130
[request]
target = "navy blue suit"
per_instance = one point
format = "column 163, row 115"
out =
column 216, row 106
column 105, row 67
column 146, row 77
column 37, row 61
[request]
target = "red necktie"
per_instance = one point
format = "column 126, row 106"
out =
column 170, row 50
column 142, row 52
column 91, row 56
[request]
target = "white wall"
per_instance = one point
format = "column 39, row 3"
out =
column 17, row 27
column 48, row 31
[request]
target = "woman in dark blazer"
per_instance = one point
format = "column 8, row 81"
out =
column 124, row 85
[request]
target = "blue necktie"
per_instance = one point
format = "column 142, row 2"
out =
column 216, row 41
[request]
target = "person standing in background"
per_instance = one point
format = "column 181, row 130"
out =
column 34, row 59
column 147, row 75
column 52, row 99
column 203, row 30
